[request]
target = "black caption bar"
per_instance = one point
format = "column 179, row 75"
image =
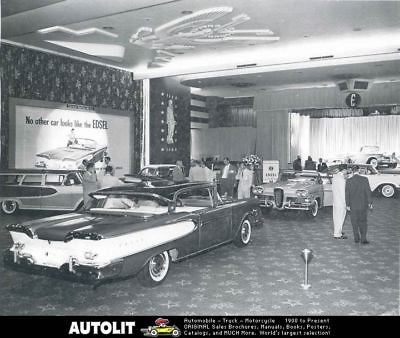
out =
column 198, row 326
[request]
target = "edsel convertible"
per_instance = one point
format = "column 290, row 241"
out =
column 308, row 191
column 72, row 156
column 128, row 232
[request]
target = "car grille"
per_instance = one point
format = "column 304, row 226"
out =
column 278, row 195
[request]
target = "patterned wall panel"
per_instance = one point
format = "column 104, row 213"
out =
column 169, row 121
column 31, row 74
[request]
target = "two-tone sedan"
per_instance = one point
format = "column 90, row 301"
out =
column 37, row 189
column 308, row 191
column 387, row 184
column 129, row 232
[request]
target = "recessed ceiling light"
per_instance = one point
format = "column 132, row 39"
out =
column 108, row 28
column 306, row 36
column 357, row 29
column 378, row 65
column 186, row 12
column 147, row 19
column 299, row 72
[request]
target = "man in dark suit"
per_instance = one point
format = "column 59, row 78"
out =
column 228, row 178
column 358, row 201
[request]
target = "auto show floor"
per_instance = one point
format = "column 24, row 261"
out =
column 263, row 278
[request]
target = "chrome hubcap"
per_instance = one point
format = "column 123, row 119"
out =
column 246, row 231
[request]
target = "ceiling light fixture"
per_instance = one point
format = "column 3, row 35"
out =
column 76, row 32
column 186, row 12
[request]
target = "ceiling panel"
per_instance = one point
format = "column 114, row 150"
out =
column 11, row 7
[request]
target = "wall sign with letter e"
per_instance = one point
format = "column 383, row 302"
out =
column 353, row 100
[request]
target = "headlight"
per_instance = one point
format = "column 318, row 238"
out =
column 90, row 255
column 302, row 193
column 258, row 190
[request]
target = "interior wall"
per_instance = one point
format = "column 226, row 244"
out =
column 30, row 74
column 161, row 151
column 272, row 141
column 272, row 107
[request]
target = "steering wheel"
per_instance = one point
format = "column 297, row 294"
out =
column 179, row 202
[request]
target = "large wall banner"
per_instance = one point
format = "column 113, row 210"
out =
column 60, row 138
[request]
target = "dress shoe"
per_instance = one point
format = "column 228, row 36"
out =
column 364, row 242
column 356, row 241
column 341, row 237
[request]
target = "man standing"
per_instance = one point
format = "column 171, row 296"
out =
column 297, row 164
column 108, row 180
column 89, row 184
column 358, row 200
column 245, row 178
column 228, row 178
column 339, row 201
column 178, row 173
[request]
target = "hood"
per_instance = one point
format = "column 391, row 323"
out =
column 90, row 226
column 65, row 153
column 288, row 185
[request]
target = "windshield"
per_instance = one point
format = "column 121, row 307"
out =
column 128, row 202
column 369, row 149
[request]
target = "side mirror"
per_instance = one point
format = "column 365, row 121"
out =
column 171, row 207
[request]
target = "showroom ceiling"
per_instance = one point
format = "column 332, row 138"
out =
column 235, row 44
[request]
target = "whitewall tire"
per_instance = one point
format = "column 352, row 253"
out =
column 244, row 234
column 314, row 207
column 388, row 190
column 156, row 270
column 9, row 207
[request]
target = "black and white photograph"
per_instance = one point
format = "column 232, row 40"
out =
column 183, row 158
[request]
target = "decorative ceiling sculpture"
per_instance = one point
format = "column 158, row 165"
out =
column 197, row 29
column 75, row 32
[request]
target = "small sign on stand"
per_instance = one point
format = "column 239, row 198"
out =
column 270, row 171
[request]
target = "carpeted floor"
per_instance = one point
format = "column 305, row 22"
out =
column 263, row 278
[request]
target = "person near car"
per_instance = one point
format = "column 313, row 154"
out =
column 358, row 201
column 322, row 167
column 339, row 201
column 72, row 138
column 245, row 178
column 228, row 178
column 108, row 180
column 208, row 173
column 178, row 173
column 309, row 164
column 89, row 184
column 101, row 166
column 83, row 165
column 297, row 164
column 197, row 173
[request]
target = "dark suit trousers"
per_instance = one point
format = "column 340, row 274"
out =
column 226, row 186
column 359, row 223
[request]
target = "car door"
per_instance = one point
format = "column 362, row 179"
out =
column 30, row 191
column 60, row 191
column 327, row 189
column 215, row 223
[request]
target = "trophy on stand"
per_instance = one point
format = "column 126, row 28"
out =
column 307, row 255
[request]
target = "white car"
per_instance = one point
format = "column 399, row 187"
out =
column 372, row 155
column 386, row 184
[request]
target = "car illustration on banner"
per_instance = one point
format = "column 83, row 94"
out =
column 161, row 329
column 308, row 191
column 129, row 232
column 38, row 189
column 71, row 156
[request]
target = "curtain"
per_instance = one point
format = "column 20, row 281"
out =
column 299, row 136
column 243, row 117
column 232, row 142
column 329, row 112
column 341, row 136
